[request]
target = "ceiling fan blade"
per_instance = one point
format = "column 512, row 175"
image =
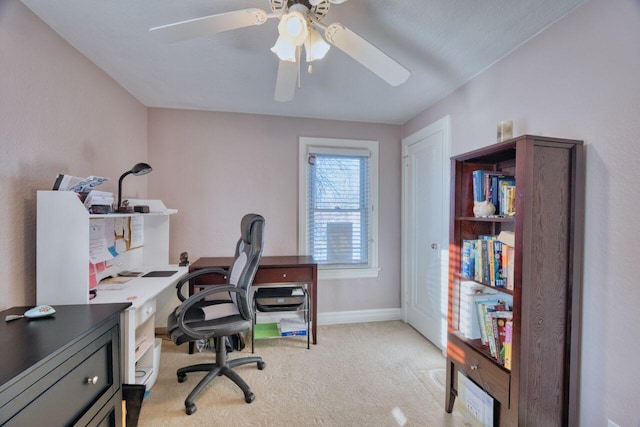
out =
column 286, row 81
column 198, row 27
column 367, row 54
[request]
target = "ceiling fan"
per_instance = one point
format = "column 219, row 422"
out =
column 299, row 23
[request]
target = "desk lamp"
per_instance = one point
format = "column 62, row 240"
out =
column 137, row 170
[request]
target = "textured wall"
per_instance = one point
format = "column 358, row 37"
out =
column 220, row 166
column 580, row 79
column 58, row 113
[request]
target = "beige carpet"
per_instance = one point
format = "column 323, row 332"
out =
column 365, row 374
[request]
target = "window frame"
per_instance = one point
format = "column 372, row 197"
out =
column 331, row 272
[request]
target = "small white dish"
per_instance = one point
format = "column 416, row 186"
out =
column 32, row 313
column 39, row 311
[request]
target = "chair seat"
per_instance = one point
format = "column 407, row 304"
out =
column 212, row 318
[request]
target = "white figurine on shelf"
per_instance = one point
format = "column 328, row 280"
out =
column 483, row 208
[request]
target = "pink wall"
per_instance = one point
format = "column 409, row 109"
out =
column 215, row 167
column 58, row 113
column 580, row 79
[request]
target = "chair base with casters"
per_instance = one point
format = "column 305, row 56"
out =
column 221, row 367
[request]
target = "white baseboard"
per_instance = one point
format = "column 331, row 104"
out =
column 359, row 316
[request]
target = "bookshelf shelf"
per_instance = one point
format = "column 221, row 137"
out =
column 543, row 302
column 487, row 219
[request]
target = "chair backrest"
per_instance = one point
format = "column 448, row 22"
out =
column 247, row 258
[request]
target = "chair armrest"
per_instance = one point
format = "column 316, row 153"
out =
column 185, row 306
column 185, row 279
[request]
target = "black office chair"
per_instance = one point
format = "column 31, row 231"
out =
column 220, row 311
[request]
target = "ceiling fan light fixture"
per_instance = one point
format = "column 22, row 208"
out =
column 285, row 49
column 315, row 46
column 293, row 25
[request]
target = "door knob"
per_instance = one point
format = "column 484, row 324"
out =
column 434, row 246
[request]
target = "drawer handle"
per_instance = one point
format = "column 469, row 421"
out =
column 475, row 366
column 284, row 275
column 92, row 380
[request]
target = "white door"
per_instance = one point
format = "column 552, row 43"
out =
column 425, row 189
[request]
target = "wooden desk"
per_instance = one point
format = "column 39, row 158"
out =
column 273, row 270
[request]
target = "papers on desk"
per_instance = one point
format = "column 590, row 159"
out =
column 114, row 283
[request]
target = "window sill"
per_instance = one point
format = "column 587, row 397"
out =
column 348, row 273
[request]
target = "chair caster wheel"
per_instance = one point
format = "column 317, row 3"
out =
column 261, row 365
column 249, row 397
column 182, row 378
column 190, row 409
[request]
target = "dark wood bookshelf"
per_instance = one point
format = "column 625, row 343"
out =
column 541, row 388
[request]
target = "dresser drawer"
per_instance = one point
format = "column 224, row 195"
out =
column 286, row 275
column 86, row 379
column 492, row 378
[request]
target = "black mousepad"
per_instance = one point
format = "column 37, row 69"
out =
column 160, row 273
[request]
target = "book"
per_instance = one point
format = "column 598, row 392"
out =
column 488, row 325
column 477, row 261
column 507, row 237
column 498, row 272
column 482, row 305
column 510, row 267
column 492, row 263
column 478, row 187
column 468, row 259
column 485, row 261
column 508, row 203
column 508, row 340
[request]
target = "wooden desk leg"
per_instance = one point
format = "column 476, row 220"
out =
column 314, row 304
column 450, row 395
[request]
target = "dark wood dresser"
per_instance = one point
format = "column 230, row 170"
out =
column 62, row 370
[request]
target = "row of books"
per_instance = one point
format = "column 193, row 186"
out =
column 486, row 314
column 489, row 259
column 497, row 188
column 498, row 329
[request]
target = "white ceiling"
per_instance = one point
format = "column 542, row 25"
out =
column 444, row 43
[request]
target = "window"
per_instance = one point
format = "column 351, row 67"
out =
column 338, row 222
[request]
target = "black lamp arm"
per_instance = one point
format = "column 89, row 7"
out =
column 120, row 188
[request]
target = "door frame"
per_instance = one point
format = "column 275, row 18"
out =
column 442, row 125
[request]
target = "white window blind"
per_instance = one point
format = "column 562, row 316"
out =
column 338, row 207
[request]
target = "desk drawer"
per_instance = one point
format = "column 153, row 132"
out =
column 284, row 275
column 145, row 312
column 493, row 379
column 209, row 279
column 77, row 390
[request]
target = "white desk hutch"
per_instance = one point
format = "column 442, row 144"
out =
column 62, row 273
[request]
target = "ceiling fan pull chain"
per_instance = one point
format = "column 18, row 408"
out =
column 298, row 54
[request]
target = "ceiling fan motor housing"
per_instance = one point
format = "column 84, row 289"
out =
column 319, row 11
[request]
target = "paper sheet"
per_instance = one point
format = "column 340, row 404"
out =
column 136, row 227
column 98, row 245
